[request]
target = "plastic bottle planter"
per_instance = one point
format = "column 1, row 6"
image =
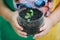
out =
column 32, row 22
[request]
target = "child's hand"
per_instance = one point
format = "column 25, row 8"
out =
column 13, row 21
column 11, row 17
column 45, row 29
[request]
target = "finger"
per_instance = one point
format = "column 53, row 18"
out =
column 42, row 28
column 22, row 34
column 41, row 34
column 15, row 24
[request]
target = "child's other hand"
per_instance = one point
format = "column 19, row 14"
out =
column 18, row 29
column 11, row 17
column 45, row 29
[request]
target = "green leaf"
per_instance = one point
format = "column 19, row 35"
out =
column 26, row 17
column 28, row 14
column 28, row 20
column 31, row 12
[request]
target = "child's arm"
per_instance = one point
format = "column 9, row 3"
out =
column 55, row 16
column 12, row 18
column 49, row 22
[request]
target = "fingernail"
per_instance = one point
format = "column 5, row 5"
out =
column 25, row 36
column 33, row 37
column 25, row 33
column 21, row 28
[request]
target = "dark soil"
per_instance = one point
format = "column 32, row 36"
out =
column 37, row 14
column 31, row 28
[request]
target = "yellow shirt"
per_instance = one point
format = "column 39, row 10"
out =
column 55, row 4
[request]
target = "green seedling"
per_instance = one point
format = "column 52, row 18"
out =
column 29, row 15
column 28, row 20
column 31, row 12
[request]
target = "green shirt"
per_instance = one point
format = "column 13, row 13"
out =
column 9, row 4
column 7, row 32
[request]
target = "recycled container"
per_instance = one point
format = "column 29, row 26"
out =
column 36, row 21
